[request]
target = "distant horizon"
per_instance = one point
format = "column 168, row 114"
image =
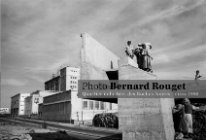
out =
column 37, row 37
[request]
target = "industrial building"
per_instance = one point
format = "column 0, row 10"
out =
column 4, row 111
column 66, row 106
column 18, row 104
column 66, row 79
column 69, row 77
column 53, row 84
column 72, row 108
column 32, row 102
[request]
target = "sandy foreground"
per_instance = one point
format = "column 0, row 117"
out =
column 10, row 131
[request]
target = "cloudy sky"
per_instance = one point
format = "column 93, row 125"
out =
column 38, row 36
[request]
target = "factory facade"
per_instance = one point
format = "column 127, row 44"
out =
column 66, row 106
column 18, row 104
column 67, row 103
column 32, row 102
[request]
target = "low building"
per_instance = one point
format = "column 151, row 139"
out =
column 77, row 108
column 18, row 104
column 67, row 79
column 4, row 111
column 56, row 107
column 53, row 84
column 66, row 106
column 32, row 102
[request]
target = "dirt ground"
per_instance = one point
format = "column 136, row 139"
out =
column 12, row 131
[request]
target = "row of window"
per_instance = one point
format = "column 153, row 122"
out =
column 74, row 71
column 75, row 82
column 73, row 77
column 73, row 86
column 98, row 105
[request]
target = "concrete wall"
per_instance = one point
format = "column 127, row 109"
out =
column 32, row 101
column 97, row 54
column 79, row 113
column 53, row 84
column 95, row 59
column 128, row 71
column 18, row 104
column 4, row 110
column 69, row 77
column 144, row 118
column 76, row 104
column 72, row 77
column 57, row 112
column 57, row 107
column 28, row 104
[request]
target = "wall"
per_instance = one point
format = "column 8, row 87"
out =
column 57, row 107
column 15, row 105
column 69, row 77
column 22, row 103
column 57, row 112
column 97, row 54
column 53, row 84
column 72, row 77
column 144, row 118
column 28, row 105
column 18, row 104
column 32, row 101
column 4, row 111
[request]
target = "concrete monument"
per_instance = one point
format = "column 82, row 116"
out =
column 96, row 59
column 139, row 118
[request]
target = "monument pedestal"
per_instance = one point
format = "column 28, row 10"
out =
column 144, row 118
column 139, row 118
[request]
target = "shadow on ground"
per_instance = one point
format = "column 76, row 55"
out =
column 112, row 137
column 61, row 135
column 52, row 136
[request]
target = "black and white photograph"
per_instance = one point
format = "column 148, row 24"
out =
column 103, row 70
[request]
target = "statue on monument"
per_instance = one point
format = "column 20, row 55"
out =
column 142, row 53
column 197, row 75
column 129, row 49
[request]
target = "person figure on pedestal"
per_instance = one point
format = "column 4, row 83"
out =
column 129, row 49
column 138, row 53
column 147, row 57
column 197, row 75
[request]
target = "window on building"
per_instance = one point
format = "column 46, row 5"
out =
column 85, row 104
column 102, row 105
column 91, row 106
column 110, row 106
column 96, row 104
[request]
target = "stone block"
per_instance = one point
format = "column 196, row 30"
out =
column 96, row 54
column 144, row 118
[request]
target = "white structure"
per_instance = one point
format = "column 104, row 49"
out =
column 81, row 109
column 84, row 110
column 32, row 102
column 4, row 111
column 69, row 77
column 18, row 104
column 95, row 54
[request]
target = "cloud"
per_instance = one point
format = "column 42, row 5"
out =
column 13, row 82
column 40, row 36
